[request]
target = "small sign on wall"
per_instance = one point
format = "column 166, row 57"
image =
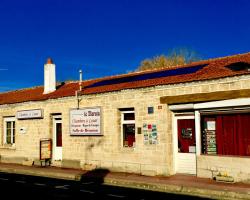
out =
column 150, row 110
column 30, row 114
column 23, row 130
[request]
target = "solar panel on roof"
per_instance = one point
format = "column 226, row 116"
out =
column 153, row 75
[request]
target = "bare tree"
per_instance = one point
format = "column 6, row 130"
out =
column 175, row 57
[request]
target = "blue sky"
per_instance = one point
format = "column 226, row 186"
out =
column 110, row 37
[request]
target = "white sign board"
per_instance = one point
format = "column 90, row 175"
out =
column 210, row 125
column 85, row 121
column 192, row 149
column 29, row 114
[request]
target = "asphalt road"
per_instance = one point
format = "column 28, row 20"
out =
column 14, row 186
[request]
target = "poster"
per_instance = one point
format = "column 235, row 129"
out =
column 187, row 133
column 210, row 139
column 45, row 149
column 150, row 134
column 145, row 134
column 210, row 125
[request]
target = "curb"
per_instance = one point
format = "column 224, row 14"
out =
column 159, row 187
column 192, row 191
column 47, row 174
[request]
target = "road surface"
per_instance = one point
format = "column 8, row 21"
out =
column 22, row 187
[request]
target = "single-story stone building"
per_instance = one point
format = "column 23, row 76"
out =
column 191, row 119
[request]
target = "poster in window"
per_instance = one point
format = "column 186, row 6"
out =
column 154, row 134
column 187, row 133
column 210, row 125
column 210, row 141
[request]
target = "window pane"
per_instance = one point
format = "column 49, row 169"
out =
column 186, row 135
column 129, row 116
column 10, row 132
column 8, row 136
column 14, row 131
column 8, row 125
column 129, row 135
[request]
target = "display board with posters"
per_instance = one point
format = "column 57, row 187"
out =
column 150, row 134
column 209, row 136
column 45, row 149
column 85, row 121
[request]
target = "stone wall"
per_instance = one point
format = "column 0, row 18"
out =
column 236, row 167
column 89, row 152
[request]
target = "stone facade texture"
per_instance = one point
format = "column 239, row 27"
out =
column 90, row 152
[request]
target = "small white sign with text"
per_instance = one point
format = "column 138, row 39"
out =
column 29, row 114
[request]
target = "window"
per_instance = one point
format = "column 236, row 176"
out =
column 226, row 134
column 186, row 135
column 128, row 128
column 9, row 130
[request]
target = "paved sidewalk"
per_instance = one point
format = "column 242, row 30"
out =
column 189, row 185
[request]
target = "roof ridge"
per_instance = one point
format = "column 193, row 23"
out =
column 134, row 73
column 21, row 89
column 35, row 87
column 198, row 62
column 147, row 71
column 229, row 56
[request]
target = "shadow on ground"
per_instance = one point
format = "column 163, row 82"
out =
column 96, row 176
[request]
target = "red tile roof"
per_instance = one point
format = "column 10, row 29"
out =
column 214, row 69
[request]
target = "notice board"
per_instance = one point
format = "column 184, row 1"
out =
column 45, row 149
column 150, row 134
column 85, row 121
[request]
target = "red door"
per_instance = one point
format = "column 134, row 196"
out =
column 186, row 135
column 58, row 134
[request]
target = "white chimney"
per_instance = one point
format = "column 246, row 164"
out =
column 49, row 77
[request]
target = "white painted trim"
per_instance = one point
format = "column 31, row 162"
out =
column 175, row 143
column 223, row 103
column 182, row 107
column 212, row 104
column 207, row 105
column 199, row 106
column 197, row 132
column 175, row 138
column 8, row 119
column 126, row 122
column 56, row 119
